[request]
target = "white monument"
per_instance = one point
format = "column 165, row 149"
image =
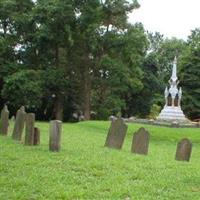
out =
column 172, row 109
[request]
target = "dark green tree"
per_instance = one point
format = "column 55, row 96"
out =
column 103, row 72
column 190, row 73
column 14, row 19
column 24, row 88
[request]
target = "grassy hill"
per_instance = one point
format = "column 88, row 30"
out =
column 84, row 169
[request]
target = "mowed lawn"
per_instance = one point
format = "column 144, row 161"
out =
column 85, row 169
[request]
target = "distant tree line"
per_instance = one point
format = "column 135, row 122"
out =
column 66, row 58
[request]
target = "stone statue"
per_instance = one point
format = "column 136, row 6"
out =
column 179, row 97
column 166, row 96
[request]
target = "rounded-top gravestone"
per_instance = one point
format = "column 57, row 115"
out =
column 184, row 149
column 4, row 122
column 116, row 134
column 19, row 124
column 140, row 142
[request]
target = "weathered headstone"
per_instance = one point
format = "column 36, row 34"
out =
column 184, row 149
column 4, row 123
column 19, row 124
column 36, row 140
column 116, row 134
column 140, row 142
column 29, row 132
column 55, row 135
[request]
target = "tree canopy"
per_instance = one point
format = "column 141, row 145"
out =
column 67, row 58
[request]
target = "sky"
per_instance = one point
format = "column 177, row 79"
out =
column 172, row 18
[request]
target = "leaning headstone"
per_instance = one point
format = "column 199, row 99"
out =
column 140, row 142
column 29, row 132
column 4, row 123
column 116, row 134
column 55, row 135
column 19, row 124
column 184, row 149
column 36, row 140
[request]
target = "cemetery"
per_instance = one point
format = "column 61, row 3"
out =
column 93, row 159
column 95, row 105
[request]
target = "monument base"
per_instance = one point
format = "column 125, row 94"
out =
column 170, row 114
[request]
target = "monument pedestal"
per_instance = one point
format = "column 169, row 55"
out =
column 170, row 114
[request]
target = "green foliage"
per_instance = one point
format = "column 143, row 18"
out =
column 154, row 112
column 164, row 51
column 120, row 74
column 84, row 169
column 23, row 88
column 90, row 57
column 79, row 46
column 190, row 73
column 55, row 81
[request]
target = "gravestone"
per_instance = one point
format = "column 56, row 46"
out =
column 184, row 149
column 140, row 142
column 55, row 135
column 19, row 124
column 29, row 132
column 4, row 123
column 36, row 140
column 116, row 134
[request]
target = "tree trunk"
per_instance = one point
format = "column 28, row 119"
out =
column 58, row 104
column 58, row 108
column 86, row 96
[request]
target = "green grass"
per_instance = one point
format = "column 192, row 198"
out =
column 84, row 169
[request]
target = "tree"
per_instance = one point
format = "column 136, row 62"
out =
column 190, row 73
column 52, row 44
column 13, row 20
column 101, row 27
column 23, row 88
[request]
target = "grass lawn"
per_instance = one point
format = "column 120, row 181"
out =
column 84, row 169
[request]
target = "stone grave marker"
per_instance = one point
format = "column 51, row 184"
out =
column 29, row 132
column 55, row 135
column 4, row 123
column 184, row 149
column 19, row 124
column 116, row 134
column 36, row 140
column 140, row 142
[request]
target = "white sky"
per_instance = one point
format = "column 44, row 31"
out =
column 173, row 18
